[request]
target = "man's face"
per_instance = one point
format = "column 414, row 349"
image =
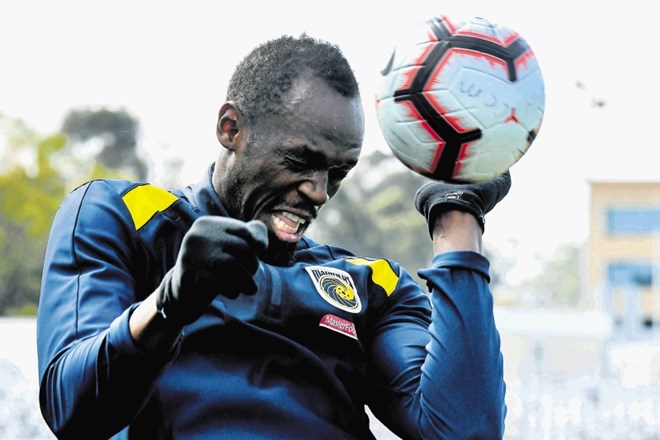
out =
column 292, row 163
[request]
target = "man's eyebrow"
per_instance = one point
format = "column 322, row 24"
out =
column 304, row 152
column 317, row 159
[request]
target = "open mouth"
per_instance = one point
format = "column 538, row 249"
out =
column 288, row 227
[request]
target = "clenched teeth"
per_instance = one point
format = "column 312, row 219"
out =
column 293, row 217
column 288, row 222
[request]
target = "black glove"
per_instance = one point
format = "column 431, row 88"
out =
column 218, row 256
column 476, row 198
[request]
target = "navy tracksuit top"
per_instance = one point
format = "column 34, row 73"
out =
column 298, row 360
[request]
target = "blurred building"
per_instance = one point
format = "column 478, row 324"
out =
column 624, row 254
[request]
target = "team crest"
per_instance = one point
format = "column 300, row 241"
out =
column 336, row 287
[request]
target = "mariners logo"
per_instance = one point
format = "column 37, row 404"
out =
column 336, row 287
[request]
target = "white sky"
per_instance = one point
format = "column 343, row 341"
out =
column 168, row 63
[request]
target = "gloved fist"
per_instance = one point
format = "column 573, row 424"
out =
column 218, row 256
column 476, row 198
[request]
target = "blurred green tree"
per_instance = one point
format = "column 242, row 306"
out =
column 30, row 192
column 558, row 283
column 110, row 138
column 37, row 171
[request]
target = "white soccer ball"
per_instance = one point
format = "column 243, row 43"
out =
column 460, row 101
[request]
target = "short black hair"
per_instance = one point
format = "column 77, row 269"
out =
column 264, row 76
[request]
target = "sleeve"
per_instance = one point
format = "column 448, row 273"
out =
column 93, row 380
column 437, row 370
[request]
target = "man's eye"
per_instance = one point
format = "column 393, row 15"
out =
column 296, row 163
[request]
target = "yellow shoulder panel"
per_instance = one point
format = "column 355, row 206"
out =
column 381, row 273
column 145, row 200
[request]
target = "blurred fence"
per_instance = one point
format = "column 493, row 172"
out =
column 20, row 418
column 569, row 376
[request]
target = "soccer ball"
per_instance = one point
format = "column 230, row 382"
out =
column 460, row 101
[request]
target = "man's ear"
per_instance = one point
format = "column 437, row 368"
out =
column 230, row 124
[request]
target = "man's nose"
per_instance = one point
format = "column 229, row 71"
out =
column 315, row 188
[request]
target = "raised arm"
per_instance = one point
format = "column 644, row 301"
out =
column 445, row 380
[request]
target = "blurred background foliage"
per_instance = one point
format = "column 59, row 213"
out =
column 36, row 173
column 372, row 215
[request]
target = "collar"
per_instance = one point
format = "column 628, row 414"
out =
column 203, row 197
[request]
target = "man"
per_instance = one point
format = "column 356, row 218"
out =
column 207, row 313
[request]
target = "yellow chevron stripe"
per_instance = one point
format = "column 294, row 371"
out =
column 381, row 273
column 146, row 200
